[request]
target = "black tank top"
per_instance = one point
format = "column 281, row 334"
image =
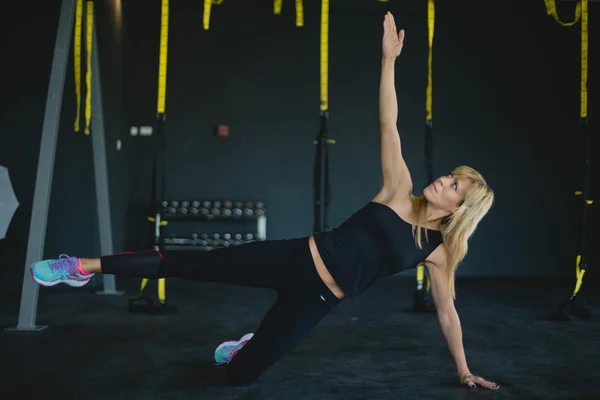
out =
column 370, row 245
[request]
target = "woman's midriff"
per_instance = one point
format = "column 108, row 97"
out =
column 323, row 271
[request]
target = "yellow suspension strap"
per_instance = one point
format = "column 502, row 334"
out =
column 324, row 59
column 421, row 296
column 77, row 59
column 576, row 305
column 321, row 172
column 299, row 10
column 207, row 12
column 551, row 10
column 299, row 13
column 277, row 7
column 161, row 99
column 89, row 33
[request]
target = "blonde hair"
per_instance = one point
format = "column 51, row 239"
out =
column 458, row 227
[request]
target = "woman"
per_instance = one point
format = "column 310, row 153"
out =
column 393, row 232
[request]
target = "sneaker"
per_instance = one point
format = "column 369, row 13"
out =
column 64, row 270
column 227, row 350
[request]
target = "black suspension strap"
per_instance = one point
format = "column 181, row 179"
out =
column 322, row 185
column 157, row 196
column 575, row 304
column 421, row 298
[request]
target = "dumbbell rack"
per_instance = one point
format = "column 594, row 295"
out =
column 198, row 211
column 213, row 211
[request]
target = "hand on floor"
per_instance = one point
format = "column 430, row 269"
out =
column 473, row 381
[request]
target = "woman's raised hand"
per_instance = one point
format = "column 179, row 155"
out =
column 392, row 39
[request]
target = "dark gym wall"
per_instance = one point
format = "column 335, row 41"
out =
column 72, row 220
column 506, row 98
column 506, row 101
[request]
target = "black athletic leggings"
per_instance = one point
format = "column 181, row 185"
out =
column 283, row 265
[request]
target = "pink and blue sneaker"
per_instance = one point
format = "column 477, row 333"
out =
column 63, row 270
column 227, row 350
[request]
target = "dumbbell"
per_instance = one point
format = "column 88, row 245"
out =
column 170, row 210
column 182, row 210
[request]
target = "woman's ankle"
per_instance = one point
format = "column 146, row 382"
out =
column 90, row 265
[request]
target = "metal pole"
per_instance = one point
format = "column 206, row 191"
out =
column 100, row 169
column 43, row 183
